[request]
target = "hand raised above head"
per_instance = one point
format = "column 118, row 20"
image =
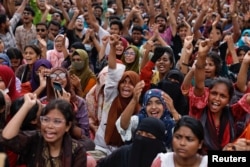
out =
column 30, row 99
column 105, row 39
column 114, row 39
column 137, row 90
column 204, row 47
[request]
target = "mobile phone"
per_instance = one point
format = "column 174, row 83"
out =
column 58, row 87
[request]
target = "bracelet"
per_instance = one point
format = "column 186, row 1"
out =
column 185, row 64
column 200, row 66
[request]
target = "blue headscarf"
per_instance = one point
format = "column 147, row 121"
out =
column 6, row 59
column 166, row 116
column 240, row 41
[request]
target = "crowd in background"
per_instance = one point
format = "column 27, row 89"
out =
column 123, row 83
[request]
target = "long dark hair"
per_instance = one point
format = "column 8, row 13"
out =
column 194, row 125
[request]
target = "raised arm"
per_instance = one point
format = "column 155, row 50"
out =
column 151, row 13
column 231, row 48
column 101, row 54
column 126, row 22
column 236, row 27
column 129, row 110
column 113, row 41
column 199, row 72
column 64, row 12
column 186, row 53
column 20, row 9
column 73, row 19
column 241, row 82
column 199, row 20
column 172, row 19
column 119, row 10
column 12, row 128
column 92, row 20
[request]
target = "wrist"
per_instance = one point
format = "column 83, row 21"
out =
column 234, row 15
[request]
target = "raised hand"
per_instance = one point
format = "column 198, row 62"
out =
column 216, row 21
column 188, row 46
column 42, row 42
column 114, row 39
column 75, row 80
column 204, row 47
column 137, row 90
column 30, row 99
column 169, row 101
column 149, row 45
column 64, row 95
column 105, row 39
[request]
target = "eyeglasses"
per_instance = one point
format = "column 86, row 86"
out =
column 60, row 75
column 129, row 53
column 56, row 15
column 42, row 30
column 26, row 13
column 56, row 122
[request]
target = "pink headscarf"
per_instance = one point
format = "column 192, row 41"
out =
column 56, row 58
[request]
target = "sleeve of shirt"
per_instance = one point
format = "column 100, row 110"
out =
column 241, row 108
column 126, row 135
column 146, row 74
column 101, row 34
column 18, row 39
column 197, row 103
column 82, row 116
column 14, row 20
column 111, row 83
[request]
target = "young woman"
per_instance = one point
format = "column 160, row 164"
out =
column 156, row 104
column 131, row 59
column 8, row 82
column 211, row 105
column 41, row 69
column 94, row 101
column 187, row 141
column 31, row 54
column 61, row 76
column 80, row 68
column 52, row 145
column 118, row 91
column 16, row 57
column 148, row 142
column 60, row 52
column 163, row 60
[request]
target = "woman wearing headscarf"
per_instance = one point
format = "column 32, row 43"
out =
column 155, row 104
column 7, row 82
column 80, row 69
column 143, row 149
column 95, row 100
column 244, row 39
column 31, row 54
column 60, row 52
column 118, row 91
column 67, row 60
column 39, row 74
column 131, row 58
column 4, row 60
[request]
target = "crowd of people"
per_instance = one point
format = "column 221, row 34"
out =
column 122, row 83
